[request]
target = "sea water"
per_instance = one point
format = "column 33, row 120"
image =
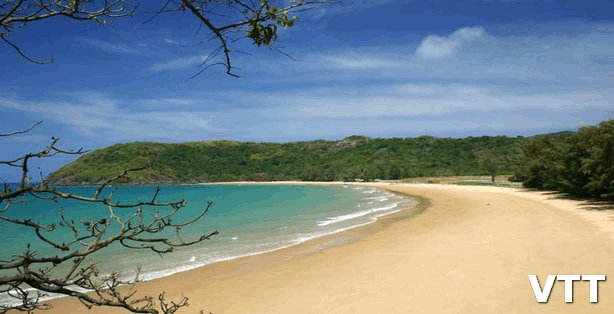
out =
column 251, row 219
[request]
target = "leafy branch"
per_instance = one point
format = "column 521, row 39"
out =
column 227, row 21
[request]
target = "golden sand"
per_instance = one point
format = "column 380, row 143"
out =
column 470, row 251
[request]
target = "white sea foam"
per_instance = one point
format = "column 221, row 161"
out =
column 6, row 300
column 379, row 198
column 371, row 191
column 340, row 218
column 297, row 239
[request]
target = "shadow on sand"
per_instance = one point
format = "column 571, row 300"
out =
column 585, row 203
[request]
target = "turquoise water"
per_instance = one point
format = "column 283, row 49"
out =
column 251, row 219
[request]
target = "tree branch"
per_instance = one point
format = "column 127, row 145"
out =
column 80, row 277
column 22, row 131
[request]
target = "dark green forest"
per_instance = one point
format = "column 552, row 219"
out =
column 578, row 163
column 355, row 157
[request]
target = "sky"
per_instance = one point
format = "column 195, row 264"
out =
column 364, row 67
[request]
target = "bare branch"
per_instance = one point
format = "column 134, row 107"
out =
column 24, row 12
column 31, row 275
column 21, row 53
column 108, row 181
column 23, row 131
column 217, row 32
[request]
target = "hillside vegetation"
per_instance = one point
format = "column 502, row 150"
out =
column 355, row 157
column 579, row 163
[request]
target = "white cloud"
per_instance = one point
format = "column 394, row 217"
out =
column 434, row 46
column 412, row 109
column 170, row 101
column 538, row 58
column 557, row 76
column 342, row 7
column 112, row 47
column 96, row 116
column 359, row 62
column 172, row 42
column 425, row 99
column 177, row 64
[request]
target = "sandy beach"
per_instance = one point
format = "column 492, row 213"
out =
column 469, row 251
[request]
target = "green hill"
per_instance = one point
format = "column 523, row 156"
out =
column 355, row 157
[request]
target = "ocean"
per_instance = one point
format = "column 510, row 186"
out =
column 251, row 219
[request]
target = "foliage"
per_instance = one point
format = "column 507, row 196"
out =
column 580, row 164
column 355, row 157
column 490, row 161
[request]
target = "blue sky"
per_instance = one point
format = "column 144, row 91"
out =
column 376, row 68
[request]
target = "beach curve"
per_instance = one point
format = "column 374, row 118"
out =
column 470, row 252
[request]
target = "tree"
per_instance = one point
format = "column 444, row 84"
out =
column 226, row 20
column 597, row 161
column 395, row 172
column 490, row 161
column 580, row 164
column 71, row 270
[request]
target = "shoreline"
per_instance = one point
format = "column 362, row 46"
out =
column 417, row 207
column 334, row 238
column 293, row 258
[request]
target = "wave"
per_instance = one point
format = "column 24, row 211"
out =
column 379, row 198
column 370, row 191
column 340, row 218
